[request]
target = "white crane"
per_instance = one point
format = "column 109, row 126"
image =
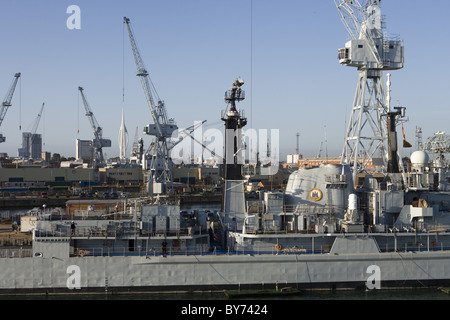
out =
column 160, row 178
column 7, row 102
column 98, row 143
column 371, row 52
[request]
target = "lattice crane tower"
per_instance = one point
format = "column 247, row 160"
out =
column 371, row 52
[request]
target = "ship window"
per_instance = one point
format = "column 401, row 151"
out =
column 360, row 45
column 336, row 186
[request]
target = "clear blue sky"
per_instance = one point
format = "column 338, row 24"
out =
column 194, row 50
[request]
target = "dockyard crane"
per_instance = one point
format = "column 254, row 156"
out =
column 371, row 52
column 32, row 142
column 7, row 102
column 36, row 123
column 160, row 178
column 439, row 144
column 98, row 143
column 38, row 119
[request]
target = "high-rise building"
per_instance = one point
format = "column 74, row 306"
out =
column 31, row 146
column 84, row 150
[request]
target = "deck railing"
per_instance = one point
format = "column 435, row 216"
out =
column 16, row 253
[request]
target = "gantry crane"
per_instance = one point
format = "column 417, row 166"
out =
column 98, row 143
column 371, row 52
column 160, row 178
column 7, row 102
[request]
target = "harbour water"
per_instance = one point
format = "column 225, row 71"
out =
column 433, row 294
column 212, row 298
column 216, row 306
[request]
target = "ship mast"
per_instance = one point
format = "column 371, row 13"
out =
column 234, row 122
column 233, row 204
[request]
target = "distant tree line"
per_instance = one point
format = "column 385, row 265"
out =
column 58, row 158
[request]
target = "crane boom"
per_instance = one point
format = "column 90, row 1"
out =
column 36, row 124
column 351, row 13
column 7, row 102
column 38, row 119
column 98, row 143
column 158, row 112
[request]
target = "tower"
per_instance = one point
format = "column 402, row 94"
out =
column 233, row 204
column 371, row 52
column 234, row 122
column 123, row 140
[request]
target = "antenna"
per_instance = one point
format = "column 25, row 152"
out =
column 419, row 144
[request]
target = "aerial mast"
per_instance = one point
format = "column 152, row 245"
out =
column 233, row 204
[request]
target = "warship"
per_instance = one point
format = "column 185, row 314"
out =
column 322, row 232
column 374, row 224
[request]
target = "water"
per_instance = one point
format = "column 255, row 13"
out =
column 315, row 305
column 276, row 303
column 368, row 295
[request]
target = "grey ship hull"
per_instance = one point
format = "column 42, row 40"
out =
column 218, row 272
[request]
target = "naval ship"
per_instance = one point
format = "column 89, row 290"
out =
column 323, row 232
column 334, row 227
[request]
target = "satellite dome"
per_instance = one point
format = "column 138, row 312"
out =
column 419, row 158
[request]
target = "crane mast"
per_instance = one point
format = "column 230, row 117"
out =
column 7, row 102
column 98, row 143
column 371, row 52
column 160, row 178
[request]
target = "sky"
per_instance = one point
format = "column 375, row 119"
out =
column 285, row 51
